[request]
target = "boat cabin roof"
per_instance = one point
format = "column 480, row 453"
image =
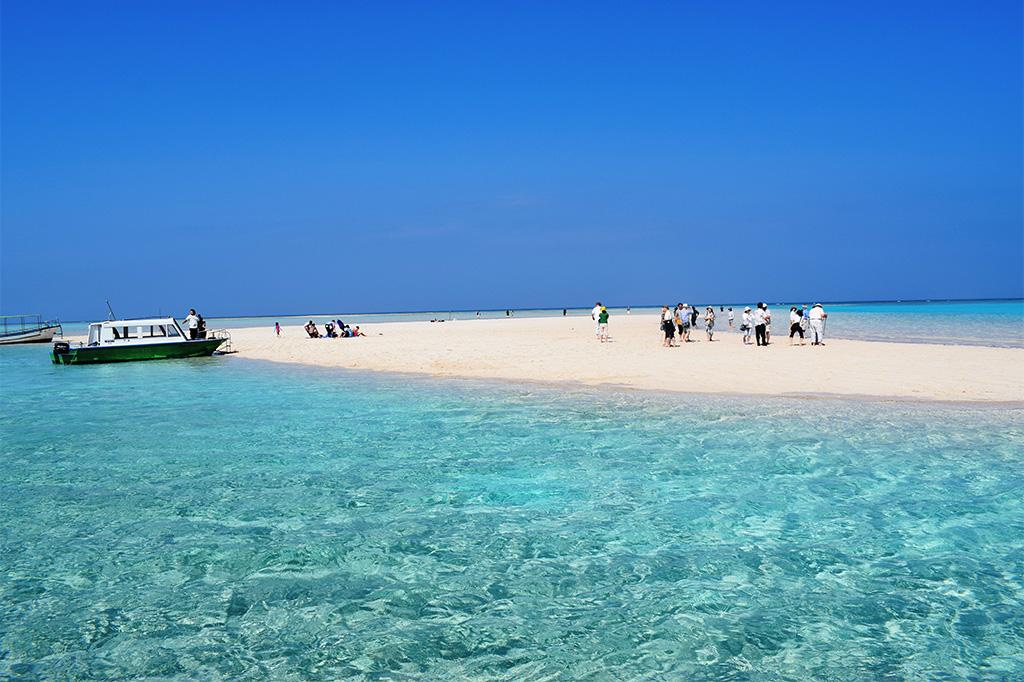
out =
column 135, row 332
column 142, row 322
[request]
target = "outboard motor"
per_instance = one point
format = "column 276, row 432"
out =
column 61, row 350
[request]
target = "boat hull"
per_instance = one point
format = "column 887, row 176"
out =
column 43, row 335
column 91, row 355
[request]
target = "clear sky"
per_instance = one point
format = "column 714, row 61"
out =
column 276, row 157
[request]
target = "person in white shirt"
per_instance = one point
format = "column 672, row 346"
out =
column 191, row 323
column 760, row 324
column 731, row 316
column 594, row 314
column 795, row 317
column 818, row 317
column 686, row 315
column 767, row 325
column 747, row 327
column 668, row 326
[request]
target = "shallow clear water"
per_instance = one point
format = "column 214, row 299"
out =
column 975, row 323
column 219, row 518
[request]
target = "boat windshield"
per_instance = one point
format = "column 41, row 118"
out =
column 158, row 331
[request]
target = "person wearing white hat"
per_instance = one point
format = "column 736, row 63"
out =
column 747, row 327
column 818, row 317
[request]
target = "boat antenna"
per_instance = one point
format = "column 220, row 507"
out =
column 111, row 311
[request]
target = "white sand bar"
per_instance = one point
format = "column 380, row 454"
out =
column 565, row 350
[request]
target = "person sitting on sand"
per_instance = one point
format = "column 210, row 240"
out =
column 356, row 332
column 709, row 322
column 311, row 329
column 329, row 331
column 602, row 323
column 747, row 327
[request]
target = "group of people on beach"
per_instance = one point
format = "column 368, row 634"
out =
column 683, row 319
column 333, row 329
column 801, row 320
column 600, row 316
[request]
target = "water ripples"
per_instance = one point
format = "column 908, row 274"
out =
column 240, row 521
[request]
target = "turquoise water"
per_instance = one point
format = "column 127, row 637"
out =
column 223, row 519
column 975, row 323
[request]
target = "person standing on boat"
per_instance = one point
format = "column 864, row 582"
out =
column 191, row 323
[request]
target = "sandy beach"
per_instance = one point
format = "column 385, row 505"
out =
column 564, row 350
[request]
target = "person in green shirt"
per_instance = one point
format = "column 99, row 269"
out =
column 602, row 324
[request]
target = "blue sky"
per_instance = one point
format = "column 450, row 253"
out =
column 247, row 157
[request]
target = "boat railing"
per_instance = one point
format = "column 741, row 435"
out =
column 18, row 324
column 221, row 334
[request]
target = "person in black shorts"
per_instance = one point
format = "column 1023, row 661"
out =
column 796, row 324
column 668, row 327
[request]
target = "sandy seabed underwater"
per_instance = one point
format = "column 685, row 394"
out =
column 222, row 518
